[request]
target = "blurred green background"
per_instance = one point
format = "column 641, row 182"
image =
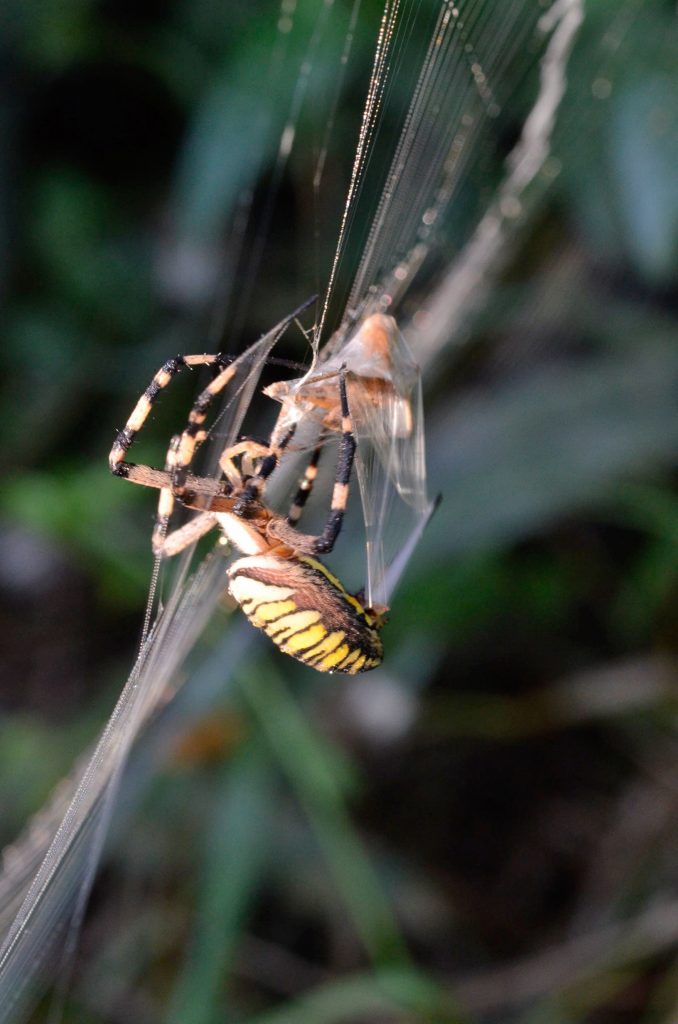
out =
column 484, row 830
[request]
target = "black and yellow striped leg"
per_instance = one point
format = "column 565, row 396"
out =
column 165, row 501
column 140, row 414
column 306, row 485
column 327, row 539
column 125, row 437
column 194, row 432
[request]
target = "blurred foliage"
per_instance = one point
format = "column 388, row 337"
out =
column 484, row 830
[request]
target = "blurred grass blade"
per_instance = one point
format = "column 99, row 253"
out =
column 238, row 842
column 312, row 775
column 394, row 995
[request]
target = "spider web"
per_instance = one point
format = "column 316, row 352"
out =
column 452, row 122
column 49, row 914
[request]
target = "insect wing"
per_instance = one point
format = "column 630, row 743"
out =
column 391, row 466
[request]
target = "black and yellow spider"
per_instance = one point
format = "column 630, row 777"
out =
column 279, row 584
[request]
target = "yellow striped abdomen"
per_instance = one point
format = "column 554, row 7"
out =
column 306, row 612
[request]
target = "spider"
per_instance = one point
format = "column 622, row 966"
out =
column 281, row 586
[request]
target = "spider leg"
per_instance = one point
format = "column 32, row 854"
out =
column 306, row 485
column 200, row 493
column 250, row 450
column 182, row 447
column 164, row 544
column 181, row 538
column 202, row 488
column 327, row 539
column 141, row 411
column 193, row 434
column 254, row 487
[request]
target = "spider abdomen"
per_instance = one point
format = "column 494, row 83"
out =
column 307, row 612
